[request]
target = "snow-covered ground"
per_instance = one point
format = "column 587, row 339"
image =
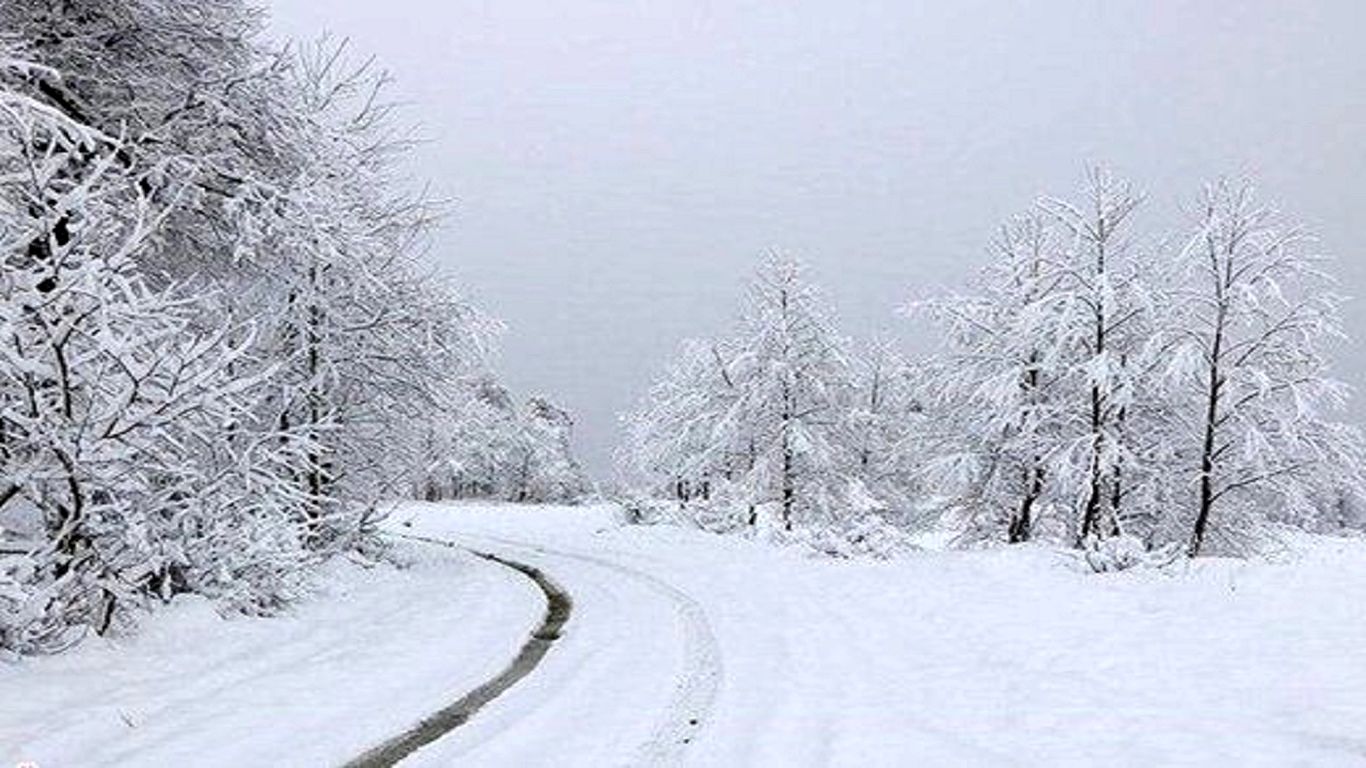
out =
column 374, row 652
column 701, row 650
column 1007, row 657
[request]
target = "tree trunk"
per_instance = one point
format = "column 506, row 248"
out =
column 1022, row 525
column 1095, row 497
column 1117, row 477
column 1222, row 277
column 1091, row 518
column 315, row 471
column 789, row 493
column 789, row 413
column 1207, row 455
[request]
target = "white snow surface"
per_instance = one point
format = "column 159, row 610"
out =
column 375, row 651
column 994, row 658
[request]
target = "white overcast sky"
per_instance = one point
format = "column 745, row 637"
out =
column 618, row 166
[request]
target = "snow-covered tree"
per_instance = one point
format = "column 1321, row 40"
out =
column 757, row 429
column 999, row 390
column 1104, row 325
column 546, row 470
column 677, row 441
column 886, row 424
column 1255, row 313
column 151, row 151
column 471, row 449
column 114, row 407
column 293, row 216
column 791, row 375
column 489, row 448
column 366, row 345
column 189, row 82
column 1048, row 371
column 1114, row 390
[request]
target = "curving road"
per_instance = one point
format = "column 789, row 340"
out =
column 630, row 681
column 559, row 606
column 680, row 720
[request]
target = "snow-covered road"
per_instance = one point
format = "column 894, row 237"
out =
column 559, row 608
column 630, row 682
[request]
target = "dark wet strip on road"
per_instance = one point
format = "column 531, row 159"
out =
column 558, row 607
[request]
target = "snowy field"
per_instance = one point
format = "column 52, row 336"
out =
column 1006, row 657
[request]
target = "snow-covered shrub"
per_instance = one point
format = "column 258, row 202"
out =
column 1121, row 553
column 26, row 623
column 1343, row 510
column 864, row 529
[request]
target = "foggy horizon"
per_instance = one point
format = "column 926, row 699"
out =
column 616, row 172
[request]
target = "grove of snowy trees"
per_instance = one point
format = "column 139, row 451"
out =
column 219, row 348
column 1134, row 394
column 487, row 447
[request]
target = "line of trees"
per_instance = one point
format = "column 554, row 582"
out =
column 1114, row 392
column 218, row 349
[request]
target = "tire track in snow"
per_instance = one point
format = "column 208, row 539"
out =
column 688, row 710
column 558, row 608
